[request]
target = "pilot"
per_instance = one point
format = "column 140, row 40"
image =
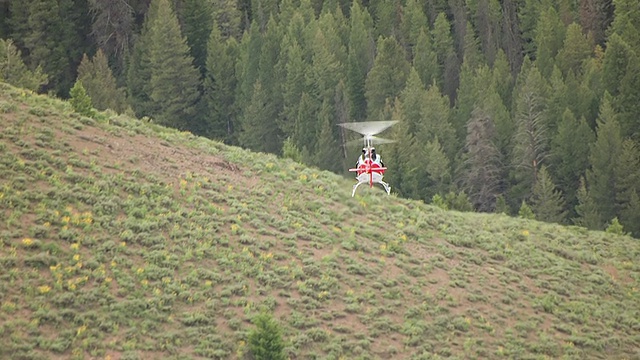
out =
column 374, row 157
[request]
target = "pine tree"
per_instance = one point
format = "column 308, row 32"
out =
column 587, row 212
column 627, row 103
column 98, row 81
column 174, row 86
column 435, row 121
column 228, row 16
column 615, row 227
column 626, row 22
column 575, row 51
column 412, row 24
column 387, row 77
column 15, row 72
column 550, row 33
column 480, row 175
column 327, row 154
column 425, row 60
column 627, row 173
column 547, row 202
column 604, row 158
column 51, row 34
column 80, row 101
column 488, row 21
column 196, row 19
column 616, row 60
column 525, row 211
column 530, row 143
column 220, row 84
column 294, row 86
column 569, row 154
column 112, row 28
column 139, row 68
column 265, row 340
column 360, row 59
column 472, row 55
column 595, row 18
column 258, row 132
column 438, row 169
column 448, row 61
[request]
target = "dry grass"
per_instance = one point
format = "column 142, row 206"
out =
column 120, row 239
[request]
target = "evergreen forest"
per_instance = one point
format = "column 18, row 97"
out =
column 524, row 107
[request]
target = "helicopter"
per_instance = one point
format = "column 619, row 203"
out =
column 369, row 169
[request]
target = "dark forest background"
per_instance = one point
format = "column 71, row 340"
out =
column 527, row 107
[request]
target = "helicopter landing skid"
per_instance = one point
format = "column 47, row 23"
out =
column 387, row 187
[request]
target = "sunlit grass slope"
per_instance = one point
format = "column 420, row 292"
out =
column 120, row 239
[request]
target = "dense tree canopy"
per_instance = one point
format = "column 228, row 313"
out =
column 487, row 92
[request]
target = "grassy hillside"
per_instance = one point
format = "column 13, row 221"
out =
column 121, row 239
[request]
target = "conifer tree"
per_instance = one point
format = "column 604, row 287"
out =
column 530, row 142
column 174, row 86
column 569, row 154
column 258, row 132
column 438, row 169
column 525, row 211
column 220, row 86
column 447, row 59
column 472, row 55
column 387, row 76
column 547, row 202
column 196, row 19
column 550, row 33
column 139, row 68
column 80, row 101
column 15, row 72
column 595, row 18
column 113, row 28
column 616, row 60
column 98, row 81
column 436, row 123
column 265, row 340
column 502, row 77
column 575, row 51
column 626, row 22
column 327, row 154
column 51, row 33
column 480, row 175
column 360, row 59
column 627, row 173
column 294, row 86
column 488, row 19
column 604, row 158
column 586, row 210
column 627, row 103
column 425, row 60
column 412, row 24
column 228, row 17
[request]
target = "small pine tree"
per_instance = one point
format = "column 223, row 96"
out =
column 547, row 202
column 525, row 211
column 438, row 201
column 587, row 209
column 501, row 206
column 291, row 151
column 458, row 201
column 265, row 340
column 80, row 101
column 615, row 227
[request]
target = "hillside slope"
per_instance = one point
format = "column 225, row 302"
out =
column 124, row 240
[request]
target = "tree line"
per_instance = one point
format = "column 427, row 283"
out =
column 503, row 105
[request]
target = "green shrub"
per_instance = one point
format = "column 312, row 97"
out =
column 265, row 340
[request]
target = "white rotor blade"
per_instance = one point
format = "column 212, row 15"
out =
column 368, row 127
column 374, row 139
